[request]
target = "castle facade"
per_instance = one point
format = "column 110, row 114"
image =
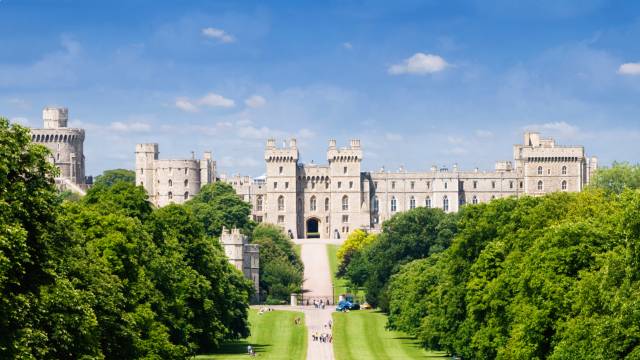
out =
column 171, row 180
column 66, row 146
column 328, row 201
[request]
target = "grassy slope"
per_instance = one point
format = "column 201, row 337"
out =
column 362, row 335
column 273, row 336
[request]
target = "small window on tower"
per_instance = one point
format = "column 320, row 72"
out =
column 393, row 185
column 413, row 185
column 280, row 170
column 350, row 184
column 286, row 184
column 344, row 170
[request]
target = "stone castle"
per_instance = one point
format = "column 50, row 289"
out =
column 328, row 201
column 244, row 256
column 171, row 181
column 66, row 146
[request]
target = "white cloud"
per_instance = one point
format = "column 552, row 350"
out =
column 20, row 120
column 629, row 69
column 255, row 101
column 306, row 134
column 484, row 133
column 252, row 132
column 186, row 105
column 215, row 100
column 558, row 127
column 347, row 45
column 419, row 64
column 218, row 34
column 209, row 100
column 455, row 140
column 130, row 127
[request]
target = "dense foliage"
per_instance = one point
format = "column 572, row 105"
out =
column 617, row 178
column 281, row 269
column 355, row 242
column 405, row 237
column 107, row 276
column 533, row 278
column 110, row 177
column 217, row 205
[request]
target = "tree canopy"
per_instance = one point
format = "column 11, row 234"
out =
column 107, row 276
column 617, row 178
column 110, row 177
column 217, row 205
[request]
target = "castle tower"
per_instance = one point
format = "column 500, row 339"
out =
column 66, row 146
column 346, row 188
column 146, row 154
column 282, row 171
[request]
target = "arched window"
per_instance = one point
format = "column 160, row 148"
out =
column 539, row 170
column 540, row 185
column 474, row 200
column 394, row 204
column 376, row 204
column 312, row 204
column 412, row 203
column 186, row 183
column 259, row 203
column 564, row 184
column 564, row 170
column 427, row 202
column 445, row 203
column 58, row 156
column 326, row 204
column 170, row 195
column 170, row 183
column 345, row 203
column 186, row 195
column 281, row 203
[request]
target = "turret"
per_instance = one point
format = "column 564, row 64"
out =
column 54, row 117
column 146, row 154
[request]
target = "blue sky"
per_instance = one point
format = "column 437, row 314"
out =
column 419, row 82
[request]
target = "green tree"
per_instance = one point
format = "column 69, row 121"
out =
column 111, row 177
column 217, row 205
column 281, row 269
column 354, row 243
column 617, row 178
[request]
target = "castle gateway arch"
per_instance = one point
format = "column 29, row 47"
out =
column 313, row 228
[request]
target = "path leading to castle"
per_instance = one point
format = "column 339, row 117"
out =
column 317, row 285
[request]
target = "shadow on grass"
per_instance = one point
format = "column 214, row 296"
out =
column 240, row 347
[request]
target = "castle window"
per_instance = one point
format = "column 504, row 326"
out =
column 445, row 203
column 344, row 170
column 564, row 185
column 280, row 219
column 493, row 184
column 412, row 203
column 350, row 184
column 510, row 184
column 313, row 185
column 58, row 156
column 339, row 184
column 170, row 183
column 186, row 171
column 281, row 203
column 186, row 183
column 375, row 184
column 427, row 202
column 462, row 200
column 170, row 195
column 286, row 184
column 446, row 184
column 312, row 204
column 275, row 184
column 548, row 171
column 564, row 170
column 413, row 185
column 521, row 184
column 186, row 195
column 280, row 170
column 539, row 170
column 474, row 200
column 259, row 203
column 394, row 204
column 345, row 219
column 326, row 204
column 428, row 184
column 540, row 185
column 475, row 184
column 376, row 204
column 326, row 185
column 345, row 203
column 393, row 185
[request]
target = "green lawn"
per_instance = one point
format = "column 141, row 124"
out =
column 362, row 335
column 273, row 336
column 340, row 284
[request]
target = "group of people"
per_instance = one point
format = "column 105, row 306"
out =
column 319, row 304
column 322, row 337
column 325, row 336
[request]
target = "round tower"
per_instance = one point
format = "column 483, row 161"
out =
column 146, row 155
